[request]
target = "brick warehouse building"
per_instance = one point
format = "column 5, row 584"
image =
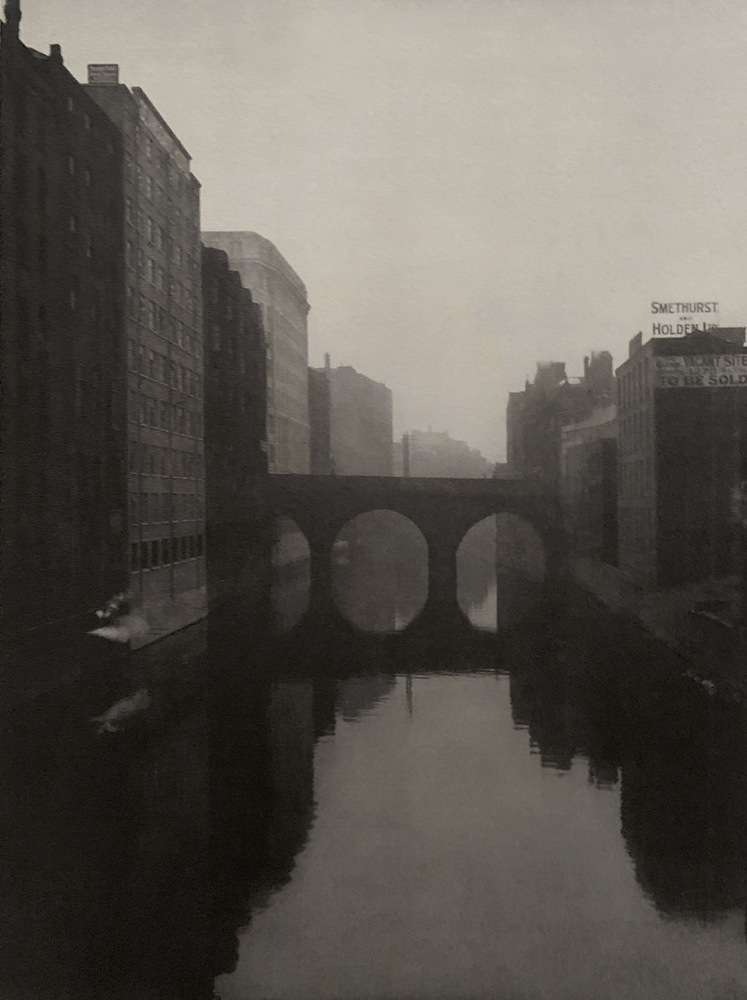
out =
column 682, row 447
column 163, row 329
column 64, row 486
column 535, row 417
column 235, row 430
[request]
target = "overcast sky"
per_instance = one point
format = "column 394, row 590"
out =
column 465, row 186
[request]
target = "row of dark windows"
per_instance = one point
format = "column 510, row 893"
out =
column 162, row 369
column 155, row 508
column 157, row 461
column 150, row 412
column 165, row 551
column 148, row 313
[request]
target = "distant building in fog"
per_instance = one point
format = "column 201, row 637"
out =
column 63, row 449
column 435, row 454
column 360, row 422
column 282, row 295
column 320, row 440
column 535, row 416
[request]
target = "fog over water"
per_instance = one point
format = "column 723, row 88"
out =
column 465, row 186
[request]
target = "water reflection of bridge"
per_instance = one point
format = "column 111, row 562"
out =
column 442, row 509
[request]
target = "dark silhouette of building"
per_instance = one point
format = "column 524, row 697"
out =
column 320, row 438
column 63, row 453
column 535, row 417
column 682, row 419
column 164, row 334
column 235, row 429
column 360, row 421
column 281, row 294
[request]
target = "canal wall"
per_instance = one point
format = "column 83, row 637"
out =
column 700, row 622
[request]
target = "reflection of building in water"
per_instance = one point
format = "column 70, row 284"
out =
column 380, row 574
column 684, row 807
column 358, row 695
column 683, row 800
column 262, row 791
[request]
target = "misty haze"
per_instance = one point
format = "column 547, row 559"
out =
column 373, row 478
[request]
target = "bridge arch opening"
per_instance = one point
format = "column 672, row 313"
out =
column 501, row 566
column 291, row 575
column 380, row 571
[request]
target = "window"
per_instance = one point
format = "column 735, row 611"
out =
column 192, row 547
column 70, row 104
column 151, row 315
column 152, row 364
column 149, row 188
column 128, row 253
column 87, row 121
column 164, row 416
column 154, row 552
column 151, row 271
column 144, row 555
column 73, row 223
column 165, row 550
column 134, row 557
column 149, row 229
column 184, row 546
column 199, row 545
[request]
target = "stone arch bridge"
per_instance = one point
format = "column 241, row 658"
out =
column 443, row 509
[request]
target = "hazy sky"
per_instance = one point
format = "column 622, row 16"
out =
column 465, row 186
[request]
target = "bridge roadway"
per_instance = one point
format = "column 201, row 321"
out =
column 443, row 509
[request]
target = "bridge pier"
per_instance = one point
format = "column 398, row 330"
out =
column 321, row 602
column 442, row 603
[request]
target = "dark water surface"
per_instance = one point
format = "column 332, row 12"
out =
column 548, row 814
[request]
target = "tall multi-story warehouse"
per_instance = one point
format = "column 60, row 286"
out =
column 359, row 423
column 235, row 428
column 536, row 416
column 63, row 404
column 682, row 445
column 163, row 329
column 282, row 296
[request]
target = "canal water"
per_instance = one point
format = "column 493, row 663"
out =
column 553, row 813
